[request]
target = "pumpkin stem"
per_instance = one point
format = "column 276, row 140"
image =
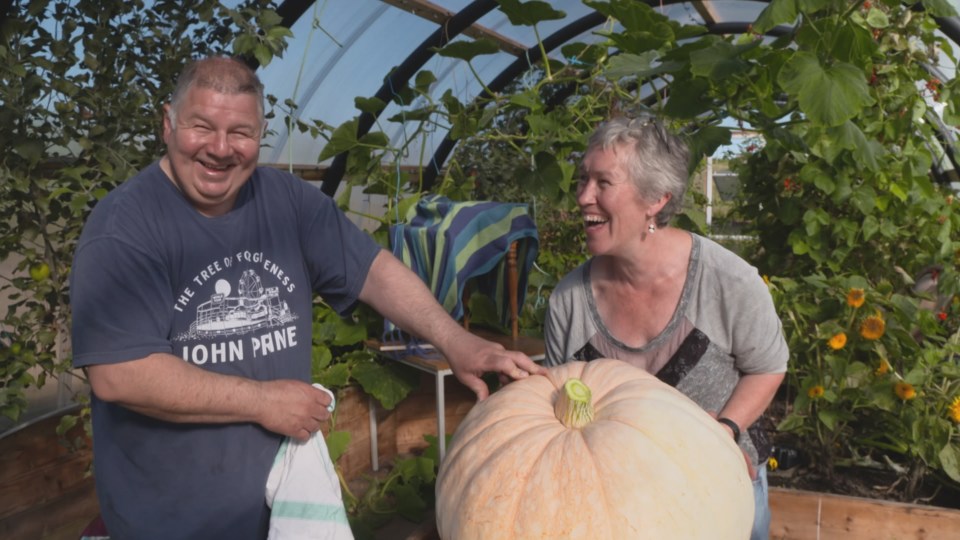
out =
column 573, row 406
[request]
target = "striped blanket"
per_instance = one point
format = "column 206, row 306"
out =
column 448, row 243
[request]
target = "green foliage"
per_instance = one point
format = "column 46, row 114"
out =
column 407, row 490
column 82, row 84
column 838, row 191
column 838, row 195
column 877, row 396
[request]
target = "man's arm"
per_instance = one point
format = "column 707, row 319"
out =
column 399, row 295
column 165, row 387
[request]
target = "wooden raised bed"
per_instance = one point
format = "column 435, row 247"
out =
column 45, row 490
column 822, row 516
column 45, row 493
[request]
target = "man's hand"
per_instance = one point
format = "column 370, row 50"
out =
column 292, row 408
column 165, row 387
column 471, row 356
column 399, row 295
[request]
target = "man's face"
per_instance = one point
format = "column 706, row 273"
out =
column 213, row 144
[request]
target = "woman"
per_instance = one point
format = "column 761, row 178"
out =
column 673, row 303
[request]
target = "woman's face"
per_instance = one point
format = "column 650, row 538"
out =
column 614, row 215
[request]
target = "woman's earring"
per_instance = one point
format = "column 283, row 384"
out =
column 651, row 228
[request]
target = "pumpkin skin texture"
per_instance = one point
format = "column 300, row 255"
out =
column 651, row 464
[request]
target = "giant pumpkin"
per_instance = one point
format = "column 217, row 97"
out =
column 598, row 450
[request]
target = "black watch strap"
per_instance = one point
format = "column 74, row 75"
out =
column 733, row 426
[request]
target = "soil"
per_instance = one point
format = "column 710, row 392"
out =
column 869, row 482
column 864, row 482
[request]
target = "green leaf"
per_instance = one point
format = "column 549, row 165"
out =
column 706, row 141
column 335, row 376
column 410, row 503
column 376, row 139
column 423, row 81
column 718, row 61
column 630, row 65
column 343, row 139
column 776, row 13
column 386, row 384
column 940, row 8
column 417, row 470
column 529, row 13
column 29, row 149
column 848, row 136
column 337, row 444
column 547, row 176
column 686, row 99
column 828, row 96
column 320, row 357
column 370, row 105
column 263, row 54
column 468, row 50
column 876, row 18
column 870, row 227
column 829, row 418
column 864, row 199
column 950, row 461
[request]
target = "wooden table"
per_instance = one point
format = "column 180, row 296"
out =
column 438, row 366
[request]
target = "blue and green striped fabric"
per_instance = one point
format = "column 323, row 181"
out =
column 448, row 243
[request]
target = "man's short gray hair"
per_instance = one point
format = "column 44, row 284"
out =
column 219, row 73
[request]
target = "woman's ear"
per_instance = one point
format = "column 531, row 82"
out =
column 656, row 207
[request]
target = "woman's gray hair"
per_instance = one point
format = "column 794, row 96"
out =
column 656, row 160
column 219, row 73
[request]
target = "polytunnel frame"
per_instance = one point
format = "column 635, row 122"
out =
column 291, row 10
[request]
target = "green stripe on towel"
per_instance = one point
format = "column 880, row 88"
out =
column 310, row 511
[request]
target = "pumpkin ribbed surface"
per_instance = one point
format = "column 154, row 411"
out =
column 651, row 464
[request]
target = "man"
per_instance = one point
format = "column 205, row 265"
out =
column 192, row 289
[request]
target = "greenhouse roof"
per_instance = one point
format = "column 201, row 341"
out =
column 344, row 50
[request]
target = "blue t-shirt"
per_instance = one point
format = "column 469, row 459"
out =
column 231, row 294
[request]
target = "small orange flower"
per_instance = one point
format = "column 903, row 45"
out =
column 904, row 391
column 837, row 341
column 815, row 392
column 942, row 315
column 883, row 368
column 773, row 464
column 855, row 297
column 872, row 327
column 955, row 410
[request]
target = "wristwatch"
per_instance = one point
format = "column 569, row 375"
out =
column 733, row 426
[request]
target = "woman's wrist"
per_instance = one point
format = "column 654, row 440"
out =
column 734, row 428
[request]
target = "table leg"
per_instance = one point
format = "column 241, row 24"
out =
column 374, row 447
column 441, row 416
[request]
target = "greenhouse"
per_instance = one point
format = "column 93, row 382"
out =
column 783, row 269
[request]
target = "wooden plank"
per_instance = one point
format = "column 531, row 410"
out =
column 440, row 15
column 45, row 491
column 803, row 515
column 60, row 519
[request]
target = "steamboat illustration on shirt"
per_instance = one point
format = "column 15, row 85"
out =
column 254, row 307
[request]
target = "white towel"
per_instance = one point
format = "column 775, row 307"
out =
column 303, row 491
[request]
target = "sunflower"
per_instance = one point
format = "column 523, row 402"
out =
column 905, row 391
column 837, row 341
column 883, row 368
column 872, row 327
column 954, row 410
column 815, row 392
column 855, row 297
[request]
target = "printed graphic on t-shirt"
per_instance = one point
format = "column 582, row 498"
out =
column 246, row 319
